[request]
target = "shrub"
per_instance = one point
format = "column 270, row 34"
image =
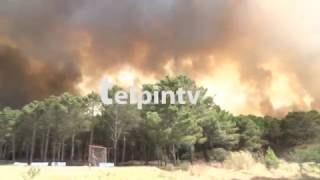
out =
column 31, row 173
column 239, row 160
column 218, row 154
column 184, row 166
column 270, row 159
column 169, row 167
column 307, row 154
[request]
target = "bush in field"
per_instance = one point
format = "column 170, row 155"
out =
column 218, row 154
column 239, row 160
column 184, row 166
column 31, row 173
column 311, row 167
column 168, row 167
column 270, row 159
column 308, row 154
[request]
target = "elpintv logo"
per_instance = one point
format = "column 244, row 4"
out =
column 139, row 97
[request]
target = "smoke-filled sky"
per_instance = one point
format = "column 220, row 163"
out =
column 260, row 57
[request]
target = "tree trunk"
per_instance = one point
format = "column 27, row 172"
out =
column 5, row 150
column 191, row 153
column 92, row 127
column 1, row 150
column 59, row 152
column 146, row 155
column 54, row 151
column 27, row 150
column 79, row 150
column 62, row 149
column 165, row 153
column 85, row 151
column 173, row 153
column 115, row 145
column 91, row 136
column 45, row 153
column 159, row 155
column 72, row 146
column 124, row 149
column 13, row 147
column 132, row 152
column 33, row 142
column 205, row 152
column 115, row 137
column 42, row 146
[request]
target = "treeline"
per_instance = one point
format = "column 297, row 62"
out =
column 60, row 128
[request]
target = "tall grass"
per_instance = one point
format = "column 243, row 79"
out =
column 239, row 160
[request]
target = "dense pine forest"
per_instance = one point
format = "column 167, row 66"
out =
column 60, row 128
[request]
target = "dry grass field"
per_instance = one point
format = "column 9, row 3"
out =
column 238, row 166
column 194, row 172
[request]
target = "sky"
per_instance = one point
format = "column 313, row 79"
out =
column 259, row 57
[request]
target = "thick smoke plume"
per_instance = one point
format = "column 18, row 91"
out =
column 274, row 46
column 23, row 80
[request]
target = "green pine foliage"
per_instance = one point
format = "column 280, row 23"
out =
column 250, row 134
column 60, row 128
